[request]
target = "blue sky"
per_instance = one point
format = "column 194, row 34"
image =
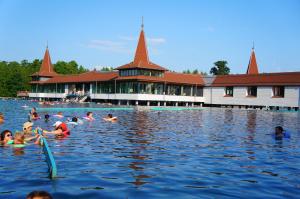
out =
column 190, row 34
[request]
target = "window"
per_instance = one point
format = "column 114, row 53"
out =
column 278, row 91
column 252, row 91
column 229, row 91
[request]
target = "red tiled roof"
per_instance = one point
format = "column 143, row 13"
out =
column 141, row 59
column 46, row 69
column 252, row 66
column 169, row 77
column 263, row 79
column 91, row 76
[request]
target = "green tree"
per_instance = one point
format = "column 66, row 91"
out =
column 71, row 67
column 220, row 68
column 106, row 69
column 195, row 71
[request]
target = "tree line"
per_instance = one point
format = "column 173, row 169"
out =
column 15, row 76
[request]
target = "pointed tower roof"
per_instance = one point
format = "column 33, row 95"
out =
column 46, row 69
column 252, row 66
column 141, row 59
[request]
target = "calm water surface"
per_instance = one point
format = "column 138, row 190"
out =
column 209, row 153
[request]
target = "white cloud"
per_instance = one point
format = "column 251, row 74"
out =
column 108, row 45
column 156, row 41
column 150, row 40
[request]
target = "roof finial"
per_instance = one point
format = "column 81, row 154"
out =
column 47, row 44
column 253, row 45
column 142, row 22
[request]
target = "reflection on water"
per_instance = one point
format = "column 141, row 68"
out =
column 210, row 153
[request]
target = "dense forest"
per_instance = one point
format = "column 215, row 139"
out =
column 15, row 76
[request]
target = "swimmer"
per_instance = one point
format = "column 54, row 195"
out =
column 110, row 118
column 89, row 116
column 6, row 137
column 74, row 121
column 280, row 133
column 19, row 138
column 35, row 116
column 39, row 195
column 61, row 130
column 59, row 115
column 1, row 118
column 47, row 117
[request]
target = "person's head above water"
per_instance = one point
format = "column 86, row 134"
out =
column 47, row 116
column 74, row 119
column 278, row 130
column 110, row 115
column 89, row 114
column 27, row 127
column 19, row 138
column 6, row 135
column 1, row 118
column 39, row 195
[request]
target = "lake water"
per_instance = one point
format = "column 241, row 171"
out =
column 208, row 153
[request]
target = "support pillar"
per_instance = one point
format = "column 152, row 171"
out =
column 127, row 103
column 176, row 103
column 119, row 102
column 186, row 104
column 148, row 103
column 165, row 103
column 136, row 103
column 158, row 103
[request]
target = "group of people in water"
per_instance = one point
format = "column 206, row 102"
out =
column 61, row 130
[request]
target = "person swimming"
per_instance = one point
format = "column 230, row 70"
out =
column 47, row 117
column 74, row 121
column 110, row 118
column 59, row 115
column 61, row 130
column 39, row 195
column 6, row 137
column 1, row 118
column 89, row 116
column 280, row 133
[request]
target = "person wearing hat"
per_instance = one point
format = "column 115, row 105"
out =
column 61, row 130
column 27, row 129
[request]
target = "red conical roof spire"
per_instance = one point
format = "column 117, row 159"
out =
column 47, row 68
column 141, row 53
column 252, row 66
column 141, row 59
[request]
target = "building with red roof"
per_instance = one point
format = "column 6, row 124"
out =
column 142, row 82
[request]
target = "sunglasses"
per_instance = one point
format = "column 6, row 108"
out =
column 8, row 135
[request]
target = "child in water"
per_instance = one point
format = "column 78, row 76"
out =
column 6, row 137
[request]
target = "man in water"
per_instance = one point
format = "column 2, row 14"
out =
column 280, row 133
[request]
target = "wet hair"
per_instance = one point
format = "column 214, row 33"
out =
column 88, row 113
column 279, row 128
column 47, row 116
column 74, row 119
column 40, row 194
column 110, row 115
column 35, row 114
column 1, row 115
column 3, row 133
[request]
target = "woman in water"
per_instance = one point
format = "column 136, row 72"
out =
column 6, row 137
column 280, row 133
